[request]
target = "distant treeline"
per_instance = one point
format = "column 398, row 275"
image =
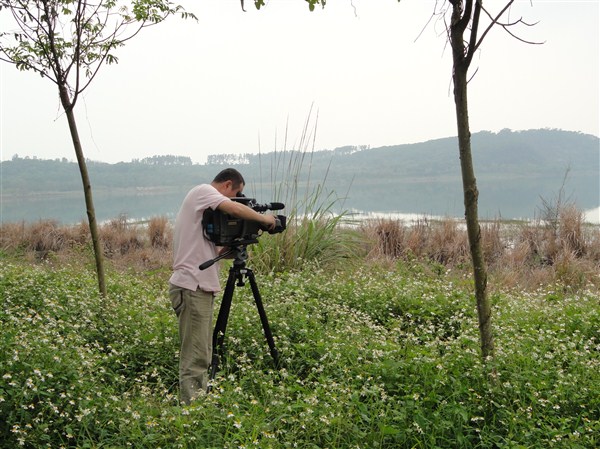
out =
column 169, row 159
column 528, row 164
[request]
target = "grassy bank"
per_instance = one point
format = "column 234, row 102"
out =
column 375, row 324
column 375, row 355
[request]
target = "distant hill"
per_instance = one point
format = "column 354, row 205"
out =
column 513, row 168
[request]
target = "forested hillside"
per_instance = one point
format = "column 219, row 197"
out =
column 510, row 166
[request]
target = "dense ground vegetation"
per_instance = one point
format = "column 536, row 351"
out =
column 375, row 324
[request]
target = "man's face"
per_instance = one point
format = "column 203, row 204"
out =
column 231, row 191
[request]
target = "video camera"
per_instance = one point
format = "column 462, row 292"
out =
column 224, row 230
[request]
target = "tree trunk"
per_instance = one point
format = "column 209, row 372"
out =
column 461, row 66
column 484, row 310
column 87, row 188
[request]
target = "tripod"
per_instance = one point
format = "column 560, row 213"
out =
column 238, row 272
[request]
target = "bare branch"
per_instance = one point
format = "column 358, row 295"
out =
column 466, row 15
column 433, row 14
column 472, row 47
column 505, row 26
column 519, row 21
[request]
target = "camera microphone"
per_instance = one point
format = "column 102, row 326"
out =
column 267, row 206
column 251, row 202
column 275, row 206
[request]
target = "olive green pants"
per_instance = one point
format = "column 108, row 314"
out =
column 194, row 312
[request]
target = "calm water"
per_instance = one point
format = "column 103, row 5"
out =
column 430, row 201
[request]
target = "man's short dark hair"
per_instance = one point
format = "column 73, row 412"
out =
column 230, row 174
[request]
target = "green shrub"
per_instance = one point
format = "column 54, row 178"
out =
column 371, row 357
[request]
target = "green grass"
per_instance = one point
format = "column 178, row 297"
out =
column 372, row 356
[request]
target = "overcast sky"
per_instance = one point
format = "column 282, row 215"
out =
column 374, row 72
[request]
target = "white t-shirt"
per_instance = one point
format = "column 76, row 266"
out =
column 190, row 247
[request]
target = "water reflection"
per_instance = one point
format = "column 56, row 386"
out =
column 69, row 209
column 430, row 200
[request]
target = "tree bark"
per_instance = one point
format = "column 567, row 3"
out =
column 461, row 65
column 87, row 188
column 471, row 194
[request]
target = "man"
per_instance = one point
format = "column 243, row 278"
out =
column 191, row 290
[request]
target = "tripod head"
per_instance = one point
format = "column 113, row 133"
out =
column 238, row 253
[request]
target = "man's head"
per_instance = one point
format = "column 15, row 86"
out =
column 229, row 182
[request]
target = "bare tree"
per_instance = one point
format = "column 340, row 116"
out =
column 66, row 42
column 465, row 39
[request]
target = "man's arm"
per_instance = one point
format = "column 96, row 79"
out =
column 240, row 210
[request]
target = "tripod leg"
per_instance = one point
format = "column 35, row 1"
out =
column 263, row 317
column 221, row 325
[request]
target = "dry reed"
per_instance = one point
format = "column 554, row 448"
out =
column 526, row 255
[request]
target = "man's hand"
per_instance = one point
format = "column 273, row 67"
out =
column 270, row 222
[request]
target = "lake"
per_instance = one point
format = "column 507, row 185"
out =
column 140, row 204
